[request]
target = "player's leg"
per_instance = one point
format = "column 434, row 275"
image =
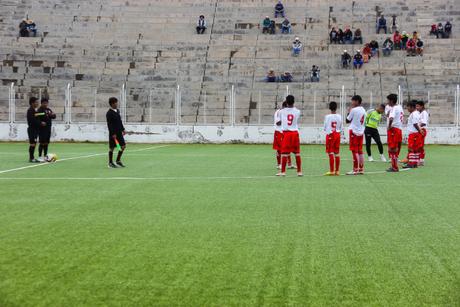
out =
column 360, row 154
column 378, row 141
column 296, row 151
column 278, row 159
column 32, row 144
column 368, row 135
column 122, row 142
column 111, row 149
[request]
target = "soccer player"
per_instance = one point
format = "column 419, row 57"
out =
column 291, row 142
column 395, row 117
column 333, row 128
column 424, row 117
column 116, row 132
column 46, row 115
column 34, row 124
column 278, row 138
column 371, row 131
column 414, row 142
column 356, row 118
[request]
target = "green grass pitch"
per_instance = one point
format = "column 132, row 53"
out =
column 210, row 225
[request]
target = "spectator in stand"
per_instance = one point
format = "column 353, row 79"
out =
column 411, row 47
column 440, row 31
column 266, row 25
column 271, row 76
column 23, row 32
column 27, row 28
column 415, row 35
column 382, row 24
column 314, row 73
column 201, row 25
column 397, row 40
column 448, row 29
column 434, row 29
column 374, row 45
column 286, row 77
column 404, row 39
column 358, row 36
column 272, row 28
column 286, row 26
column 348, row 36
column 340, row 37
column 296, row 47
column 279, row 9
column 367, row 53
column 419, row 47
column 394, row 26
column 346, row 59
column 358, row 60
column 333, row 36
column 387, row 47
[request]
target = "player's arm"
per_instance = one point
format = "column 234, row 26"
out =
column 52, row 115
column 349, row 117
column 110, row 124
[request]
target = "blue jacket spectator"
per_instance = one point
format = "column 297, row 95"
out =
column 346, row 59
column 279, row 9
column 448, row 29
column 382, row 24
column 358, row 60
column 286, row 26
column 296, row 47
column 314, row 74
column 271, row 77
column 286, row 77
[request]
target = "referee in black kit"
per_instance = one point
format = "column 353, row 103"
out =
column 116, row 133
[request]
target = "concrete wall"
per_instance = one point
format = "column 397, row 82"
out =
column 195, row 134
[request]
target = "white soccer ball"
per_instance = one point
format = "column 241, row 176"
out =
column 51, row 157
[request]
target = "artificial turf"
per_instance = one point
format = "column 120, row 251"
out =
column 209, row 225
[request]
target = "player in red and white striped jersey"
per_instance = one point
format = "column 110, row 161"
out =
column 333, row 129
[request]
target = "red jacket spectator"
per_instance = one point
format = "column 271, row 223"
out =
column 397, row 38
column 410, row 44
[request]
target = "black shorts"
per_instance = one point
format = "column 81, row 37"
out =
column 120, row 138
column 44, row 136
column 33, row 135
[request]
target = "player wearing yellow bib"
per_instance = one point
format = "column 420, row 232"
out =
column 371, row 131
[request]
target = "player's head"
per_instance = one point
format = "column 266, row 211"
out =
column 44, row 102
column 284, row 105
column 33, row 102
column 333, row 106
column 290, row 100
column 392, row 99
column 380, row 108
column 420, row 105
column 411, row 106
column 356, row 101
column 113, row 102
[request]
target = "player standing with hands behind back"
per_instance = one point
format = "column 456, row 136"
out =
column 116, row 133
column 356, row 118
column 291, row 142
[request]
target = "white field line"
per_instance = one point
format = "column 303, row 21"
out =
column 176, row 178
column 74, row 158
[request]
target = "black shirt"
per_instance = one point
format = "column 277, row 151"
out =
column 32, row 120
column 114, row 122
column 47, row 117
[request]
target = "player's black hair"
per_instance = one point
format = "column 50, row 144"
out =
column 357, row 98
column 333, row 106
column 284, row 104
column 32, row 100
column 112, row 100
column 382, row 106
column 411, row 103
column 393, row 98
column 421, row 103
column 290, row 100
column 44, row 100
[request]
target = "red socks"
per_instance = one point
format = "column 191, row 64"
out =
column 355, row 161
column 394, row 160
column 283, row 163
column 298, row 162
column 278, row 158
column 331, row 163
column 289, row 162
column 337, row 164
column 360, row 162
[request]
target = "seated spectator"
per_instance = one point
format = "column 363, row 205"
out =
column 272, row 28
column 286, row 26
column 367, row 53
column 358, row 60
column 382, row 24
column 348, row 36
column 333, row 36
column 434, row 29
column 201, row 25
column 374, row 45
column 397, row 40
column 358, row 36
column 27, row 28
column 340, row 37
column 411, row 47
column 448, row 29
column 346, row 59
column 286, row 77
column 296, row 47
column 314, row 74
column 279, row 9
column 266, row 25
column 23, row 32
column 387, row 47
column 415, row 35
column 394, row 26
column 419, row 47
column 271, row 76
column 404, row 39
column 440, row 31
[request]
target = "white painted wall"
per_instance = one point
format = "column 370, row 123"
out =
column 195, row 134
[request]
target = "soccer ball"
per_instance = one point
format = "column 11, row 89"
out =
column 51, row 157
